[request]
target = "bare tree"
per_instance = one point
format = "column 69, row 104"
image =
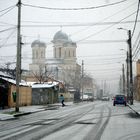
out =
column 42, row 74
column 6, row 69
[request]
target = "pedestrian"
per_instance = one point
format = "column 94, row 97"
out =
column 62, row 100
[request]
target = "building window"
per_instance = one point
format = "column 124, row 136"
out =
column 69, row 53
column 55, row 52
column 65, row 53
column 36, row 54
column 59, row 52
column 42, row 54
column 33, row 54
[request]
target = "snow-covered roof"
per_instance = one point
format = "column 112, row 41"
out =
column 23, row 83
column 4, row 74
column 45, row 85
column 71, row 90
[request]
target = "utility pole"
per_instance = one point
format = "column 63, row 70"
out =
column 131, row 72
column 57, row 73
column 8, row 66
column 82, row 79
column 18, row 63
column 120, row 84
column 123, row 77
column 46, row 77
column 127, row 77
column 129, row 59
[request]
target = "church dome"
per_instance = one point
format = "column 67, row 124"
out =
column 38, row 43
column 64, row 39
column 60, row 36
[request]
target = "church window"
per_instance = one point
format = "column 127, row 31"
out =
column 36, row 54
column 42, row 54
column 33, row 54
column 69, row 53
column 59, row 52
column 55, row 52
column 65, row 53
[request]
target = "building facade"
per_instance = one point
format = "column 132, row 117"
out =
column 8, row 93
column 38, row 56
column 137, row 82
column 63, row 66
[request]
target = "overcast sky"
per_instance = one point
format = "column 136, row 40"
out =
column 93, row 28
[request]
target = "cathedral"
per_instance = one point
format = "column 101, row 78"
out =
column 63, row 65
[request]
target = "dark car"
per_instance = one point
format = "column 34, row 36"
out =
column 119, row 99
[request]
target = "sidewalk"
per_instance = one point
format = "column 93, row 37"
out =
column 8, row 114
column 135, row 107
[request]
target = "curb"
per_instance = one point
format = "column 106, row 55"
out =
column 133, row 109
column 31, row 112
column 15, row 116
column 21, row 114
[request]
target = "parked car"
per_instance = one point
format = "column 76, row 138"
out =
column 105, row 98
column 87, row 97
column 119, row 99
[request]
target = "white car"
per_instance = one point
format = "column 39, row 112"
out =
column 105, row 98
column 85, row 98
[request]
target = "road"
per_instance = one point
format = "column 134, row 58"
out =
column 84, row 121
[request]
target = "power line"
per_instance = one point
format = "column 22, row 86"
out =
column 104, row 59
column 77, row 25
column 5, row 30
column 135, row 19
column 101, row 41
column 105, row 19
column 65, row 24
column 7, row 11
column 83, row 42
column 93, row 64
column 7, row 8
column 112, row 79
column 137, row 51
column 136, row 46
column 105, row 28
column 113, row 69
column 83, row 8
column 9, row 45
column 1, row 57
column 80, row 24
column 107, row 73
column 138, row 37
column 7, row 38
column 100, row 55
column 6, row 24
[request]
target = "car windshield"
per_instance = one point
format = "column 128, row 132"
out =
column 120, row 97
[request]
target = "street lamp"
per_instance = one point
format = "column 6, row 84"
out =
column 130, row 65
column 122, row 78
column 127, row 73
